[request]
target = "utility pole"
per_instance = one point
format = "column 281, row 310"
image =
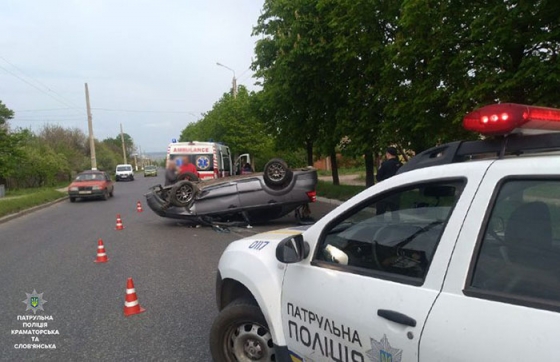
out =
column 141, row 157
column 90, row 129
column 233, row 81
column 123, row 146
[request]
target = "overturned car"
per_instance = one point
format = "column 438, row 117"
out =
column 243, row 199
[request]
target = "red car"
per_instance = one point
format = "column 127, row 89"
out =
column 91, row 184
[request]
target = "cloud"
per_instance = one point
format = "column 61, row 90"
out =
column 135, row 55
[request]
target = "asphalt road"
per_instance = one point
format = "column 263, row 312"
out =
column 51, row 251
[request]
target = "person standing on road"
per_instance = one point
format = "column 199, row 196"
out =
column 170, row 173
column 390, row 166
column 187, row 166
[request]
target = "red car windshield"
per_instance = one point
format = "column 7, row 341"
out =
column 90, row 177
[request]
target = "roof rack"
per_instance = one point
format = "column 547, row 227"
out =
column 454, row 152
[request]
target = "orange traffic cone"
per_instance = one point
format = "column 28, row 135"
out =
column 119, row 223
column 131, row 305
column 101, row 254
column 139, row 207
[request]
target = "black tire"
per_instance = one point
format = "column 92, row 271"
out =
column 72, row 199
column 111, row 193
column 106, row 195
column 182, row 194
column 189, row 176
column 277, row 173
column 240, row 333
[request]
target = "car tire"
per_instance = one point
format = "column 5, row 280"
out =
column 240, row 333
column 182, row 194
column 277, row 173
column 111, row 193
column 106, row 195
column 72, row 199
column 189, row 176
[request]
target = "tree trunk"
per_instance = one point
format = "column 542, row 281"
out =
column 334, row 169
column 309, row 148
column 368, row 159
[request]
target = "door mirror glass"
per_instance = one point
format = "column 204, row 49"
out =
column 292, row 250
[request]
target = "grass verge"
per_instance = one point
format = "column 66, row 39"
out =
column 21, row 202
column 338, row 192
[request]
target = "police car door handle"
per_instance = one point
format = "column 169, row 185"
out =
column 396, row 317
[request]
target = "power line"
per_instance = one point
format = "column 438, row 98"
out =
column 49, row 119
column 42, row 110
column 138, row 111
column 60, row 99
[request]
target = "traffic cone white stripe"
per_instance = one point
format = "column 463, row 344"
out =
column 131, row 304
column 100, row 247
column 130, row 291
column 101, row 254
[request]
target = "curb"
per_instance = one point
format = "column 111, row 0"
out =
column 329, row 201
column 30, row 210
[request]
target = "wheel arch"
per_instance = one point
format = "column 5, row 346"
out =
column 257, row 280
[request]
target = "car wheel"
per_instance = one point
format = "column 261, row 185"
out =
column 187, row 176
column 111, row 193
column 277, row 173
column 240, row 333
column 182, row 194
column 106, row 195
column 72, row 199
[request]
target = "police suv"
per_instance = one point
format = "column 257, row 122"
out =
column 456, row 258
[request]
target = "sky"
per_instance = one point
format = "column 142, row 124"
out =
column 149, row 65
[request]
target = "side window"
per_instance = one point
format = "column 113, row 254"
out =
column 519, row 255
column 225, row 160
column 396, row 234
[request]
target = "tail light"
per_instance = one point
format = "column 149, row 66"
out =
column 312, row 195
column 501, row 119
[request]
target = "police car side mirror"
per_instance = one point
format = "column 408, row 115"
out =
column 292, row 250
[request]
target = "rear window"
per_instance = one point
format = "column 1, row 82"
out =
column 203, row 162
column 124, row 168
column 519, row 259
column 90, row 177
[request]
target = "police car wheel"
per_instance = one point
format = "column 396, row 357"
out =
column 277, row 173
column 182, row 194
column 240, row 333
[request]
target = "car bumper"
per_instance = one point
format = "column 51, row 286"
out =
column 150, row 174
column 124, row 177
column 87, row 194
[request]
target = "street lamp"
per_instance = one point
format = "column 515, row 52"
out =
column 233, row 82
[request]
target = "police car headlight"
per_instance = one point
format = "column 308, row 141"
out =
column 73, row 189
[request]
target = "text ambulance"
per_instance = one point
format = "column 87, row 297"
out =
column 212, row 159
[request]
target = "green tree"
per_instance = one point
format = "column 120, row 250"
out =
column 10, row 153
column 115, row 144
column 300, row 97
column 233, row 122
column 69, row 142
column 450, row 56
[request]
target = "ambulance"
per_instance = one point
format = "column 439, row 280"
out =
column 212, row 159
